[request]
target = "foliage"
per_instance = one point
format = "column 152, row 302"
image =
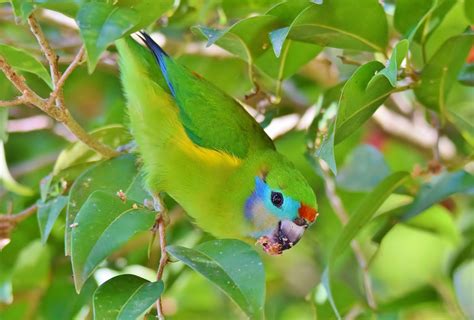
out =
column 371, row 101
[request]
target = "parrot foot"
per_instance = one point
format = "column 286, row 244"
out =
column 158, row 205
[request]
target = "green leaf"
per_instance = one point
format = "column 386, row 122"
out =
column 438, row 189
column 6, row 178
column 465, row 127
column 363, row 159
column 453, row 23
column 211, row 69
column 110, row 176
column 48, row 213
column 294, row 55
column 465, row 252
column 324, row 141
column 101, row 24
column 5, row 93
column 359, row 218
column 358, row 102
column 391, row 70
column 409, row 13
column 231, row 265
column 32, row 267
column 442, row 186
column 288, row 10
column 103, row 224
column 22, row 60
column 23, row 8
column 60, row 300
column 125, row 297
column 441, row 71
column 469, row 10
column 248, row 40
column 79, row 152
column 239, row 8
column 365, row 211
column 330, row 97
column 425, row 294
column 339, row 24
column 439, row 221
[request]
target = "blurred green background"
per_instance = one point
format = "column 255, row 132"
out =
column 422, row 268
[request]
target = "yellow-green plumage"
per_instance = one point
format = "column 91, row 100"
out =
column 201, row 147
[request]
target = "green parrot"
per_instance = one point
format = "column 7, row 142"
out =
column 203, row 149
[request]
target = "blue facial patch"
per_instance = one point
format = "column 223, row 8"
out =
column 287, row 211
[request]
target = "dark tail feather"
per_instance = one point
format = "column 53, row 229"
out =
column 160, row 56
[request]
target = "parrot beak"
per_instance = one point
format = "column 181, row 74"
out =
column 288, row 232
column 307, row 213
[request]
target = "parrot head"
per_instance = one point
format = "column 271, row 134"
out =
column 281, row 205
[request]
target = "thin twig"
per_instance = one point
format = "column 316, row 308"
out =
column 346, row 60
column 160, row 226
column 163, row 261
column 59, row 85
column 15, row 102
column 341, row 213
column 52, row 58
column 46, row 48
column 13, row 219
column 354, row 312
column 8, row 222
column 22, row 215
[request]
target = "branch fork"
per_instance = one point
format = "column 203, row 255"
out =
column 54, row 106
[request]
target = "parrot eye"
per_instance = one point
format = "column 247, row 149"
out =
column 277, row 199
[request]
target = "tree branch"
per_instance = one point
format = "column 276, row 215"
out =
column 338, row 207
column 19, row 82
column 22, row 215
column 8, row 222
column 59, row 111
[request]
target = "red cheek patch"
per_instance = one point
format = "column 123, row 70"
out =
column 307, row 213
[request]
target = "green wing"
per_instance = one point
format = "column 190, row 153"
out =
column 211, row 118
